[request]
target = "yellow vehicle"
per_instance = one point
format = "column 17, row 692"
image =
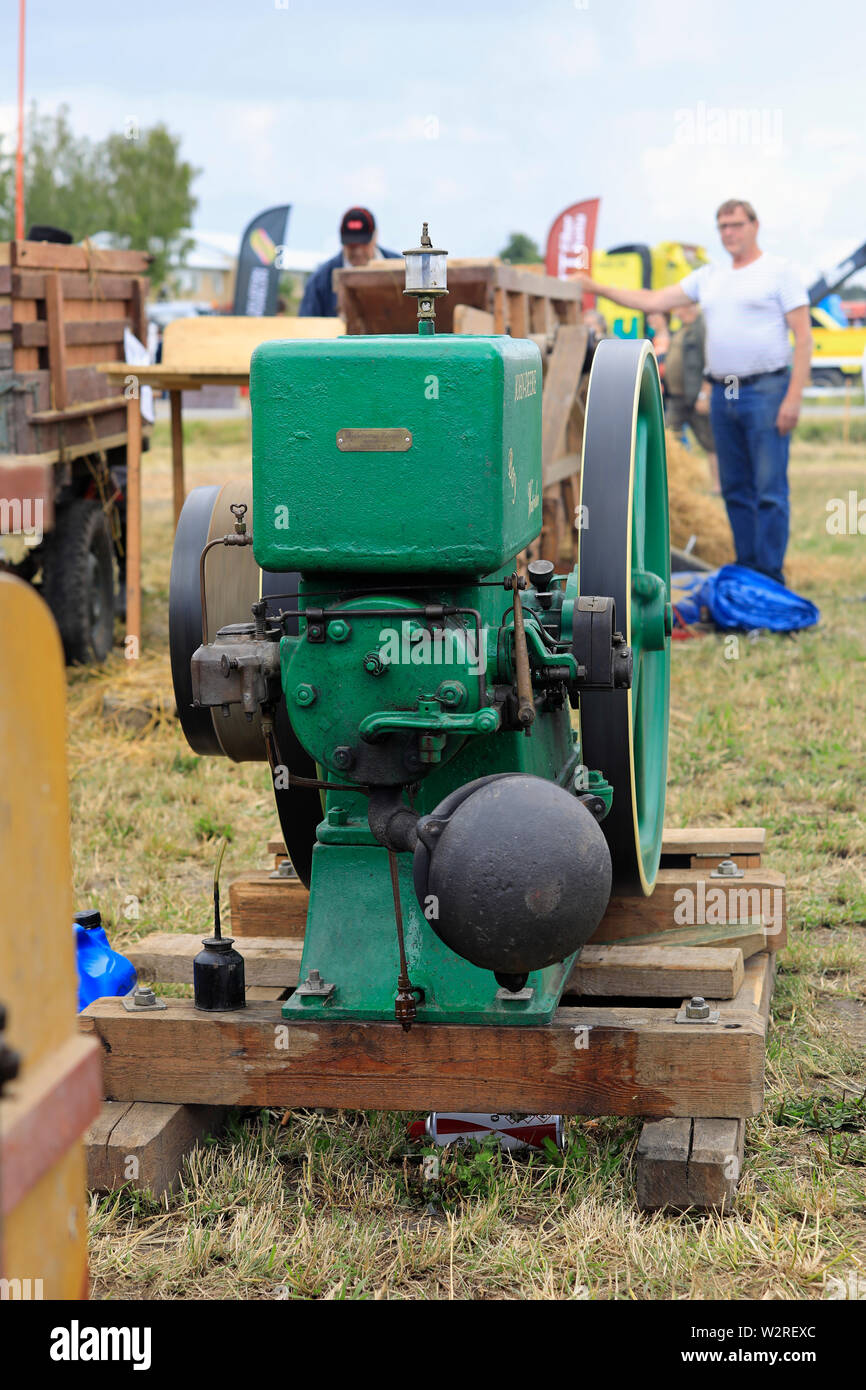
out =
column 838, row 351
column 641, row 267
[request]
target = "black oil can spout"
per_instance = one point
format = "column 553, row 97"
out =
column 218, row 971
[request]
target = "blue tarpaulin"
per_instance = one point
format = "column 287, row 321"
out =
column 741, row 600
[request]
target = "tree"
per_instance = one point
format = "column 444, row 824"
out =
column 133, row 185
column 63, row 185
column 521, row 250
column 151, row 201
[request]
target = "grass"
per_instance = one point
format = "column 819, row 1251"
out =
column 334, row 1204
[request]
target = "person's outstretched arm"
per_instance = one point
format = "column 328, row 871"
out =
column 646, row 301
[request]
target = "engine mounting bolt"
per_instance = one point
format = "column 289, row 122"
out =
column 486, row 721
column 697, row 1007
column 338, row 630
column 728, row 868
column 452, row 693
column 305, row 694
column 344, row 757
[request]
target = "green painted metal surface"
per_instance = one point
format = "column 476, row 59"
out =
column 351, row 941
column 382, row 686
column 462, row 498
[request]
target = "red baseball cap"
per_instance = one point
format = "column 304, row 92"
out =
column 357, row 227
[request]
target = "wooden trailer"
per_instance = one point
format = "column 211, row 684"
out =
column 485, row 296
column 63, row 427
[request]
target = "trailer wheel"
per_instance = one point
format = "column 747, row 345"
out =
column 78, row 581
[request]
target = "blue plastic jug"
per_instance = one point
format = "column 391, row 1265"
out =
column 101, row 971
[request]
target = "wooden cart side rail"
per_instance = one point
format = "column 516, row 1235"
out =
column 46, row 255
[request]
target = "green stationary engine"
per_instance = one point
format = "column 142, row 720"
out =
column 465, row 759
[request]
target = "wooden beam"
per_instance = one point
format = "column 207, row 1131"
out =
column 689, row 1163
column 70, row 412
column 560, row 387
column 30, row 284
column 603, row 971
column 84, row 332
column 723, row 840
column 469, row 320
column 265, row 906
column 54, row 337
column 43, row 1113
column 145, row 1144
column 657, row 971
column 133, row 528
column 681, row 893
column 167, row 958
column 46, row 255
column 178, row 484
column 594, row 1061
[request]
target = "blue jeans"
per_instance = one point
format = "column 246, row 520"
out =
column 753, row 470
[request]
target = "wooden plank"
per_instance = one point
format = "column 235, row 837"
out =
column 5, row 279
column 518, row 313
column 469, row 320
column 133, row 528
column 43, row 1113
column 30, row 284
column 602, row 971
column 48, row 417
column 560, row 385
column 748, row 938
column 681, row 894
column 723, row 840
column 82, row 333
column 167, row 958
column 594, row 1061
column 227, row 342
column 178, row 484
column 46, row 255
column 683, row 1163
column 265, row 906
column 6, row 317
column 144, row 1144
column 54, row 331
column 25, row 359
column 657, row 972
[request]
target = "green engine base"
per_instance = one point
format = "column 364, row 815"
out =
column 351, row 901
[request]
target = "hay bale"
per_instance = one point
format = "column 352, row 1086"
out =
column 694, row 510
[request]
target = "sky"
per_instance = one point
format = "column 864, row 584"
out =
column 482, row 117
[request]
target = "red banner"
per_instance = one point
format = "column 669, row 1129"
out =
column 571, row 239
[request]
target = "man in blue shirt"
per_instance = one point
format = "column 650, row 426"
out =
column 358, row 239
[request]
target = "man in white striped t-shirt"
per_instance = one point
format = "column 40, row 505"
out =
column 749, row 307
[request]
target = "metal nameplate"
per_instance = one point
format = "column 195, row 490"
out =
column 384, row 441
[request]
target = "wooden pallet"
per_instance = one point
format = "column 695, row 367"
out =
column 615, row 1046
